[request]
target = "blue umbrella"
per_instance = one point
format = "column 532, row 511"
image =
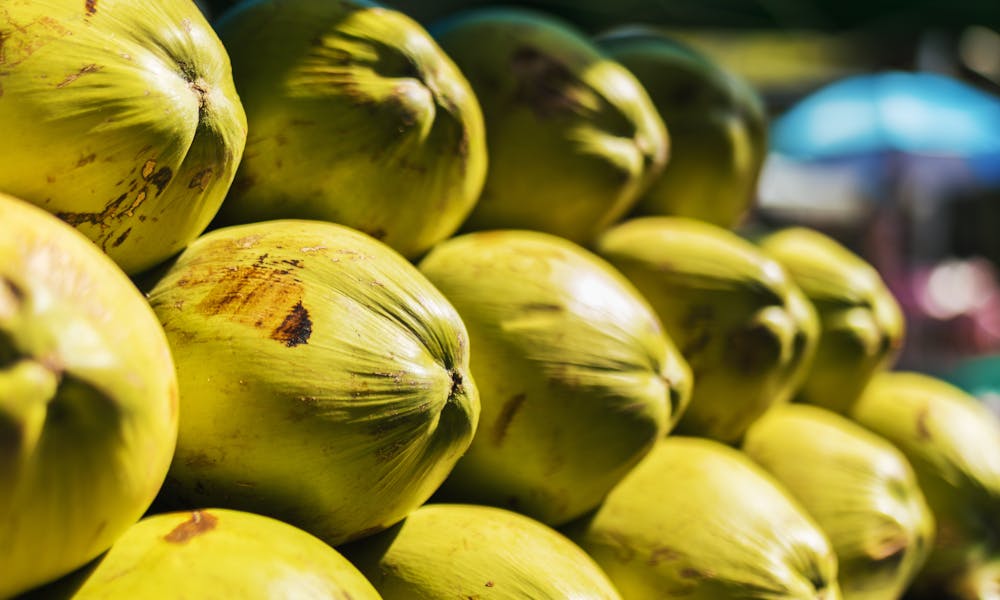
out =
column 912, row 113
column 884, row 155
column 852, row 142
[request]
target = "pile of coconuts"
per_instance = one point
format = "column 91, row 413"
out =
column 314, row 299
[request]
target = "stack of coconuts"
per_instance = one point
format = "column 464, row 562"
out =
column 314, row 301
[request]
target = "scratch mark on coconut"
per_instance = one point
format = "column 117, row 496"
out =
column 200, row 179
column 296, row 328
column 199, row 461
column 507, row 412
column 21, row 41
column 390, row 450
column 90, row 6
column 662, row 553
column 121, row 238
column 84, row 70
column 160, row 178
column 199, row 523
column 693, row 573
column 545, row 307
column 117, row 208
column 620, row 544
column 923, row 431
column 95, row 218
column 261, row 297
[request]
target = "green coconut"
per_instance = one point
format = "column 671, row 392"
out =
column 572, row 136
column 576, row 375
column 953, row 442
column 697, row 519
column 356, row 117
column 744, row 327
column 861, row 324
column 88, row 399
column 121, row 118
column 979, row 582
column 214, row 553
column 717, row 125
column 324, row 381
column 446, row 551
column 858, row 487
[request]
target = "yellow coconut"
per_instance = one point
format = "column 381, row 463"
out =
column 357, row 117
column 861, row 323
column 121, row 118
column 88, row 399
column 740, row 321
column 576, row 375
column 324, row 381
column 717, row 125
column 698, row 519
column 572, row 136
column 446, row 551
column 953, row 442
column 215, row 553
column 858, row 487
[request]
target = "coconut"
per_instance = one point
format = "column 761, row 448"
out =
column 444, row 551
column 861, row 323
column 979, row 582
column 858, row 487
column 698, row 519
column 215, row 553
column 356, row 117
column 953, row 442
column 121, row 118
column 324, row 381
column 744, row 327
column 572, row 136
column 717, row 125
column 576, row 375
column 88, row 399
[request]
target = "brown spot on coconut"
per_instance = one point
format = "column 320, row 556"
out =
column 201, row 522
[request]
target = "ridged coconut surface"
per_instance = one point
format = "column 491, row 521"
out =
column 324, row 381
column 356, row 117
column 861, row 324
column 88, row 399
column 572, row 136
column 120, row 117
column 576, row 375
column 469, row 551
column 697, row 519
column 717, row 125
column 858, row 487
column 744, row 327
column 216, row 553
column 953, row 442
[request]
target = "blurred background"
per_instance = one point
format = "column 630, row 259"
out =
column 885, row 133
